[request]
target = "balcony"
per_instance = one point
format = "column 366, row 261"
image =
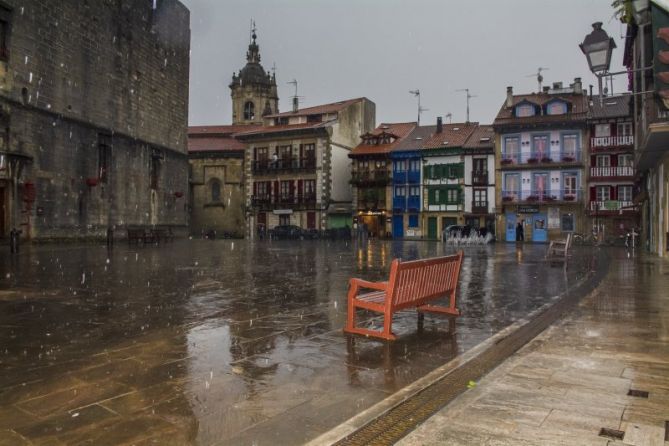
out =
column 563, row 196
column 611, row 206
column 264, row 167
column 479, row 207
column 370, row 178
column 538, row 159
column 606, row 173
column 268, row 202
column 479, row 178
column 612, row 142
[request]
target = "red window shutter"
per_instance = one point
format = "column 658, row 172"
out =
column 300, row 187
column 276, row 189
column 593, row 194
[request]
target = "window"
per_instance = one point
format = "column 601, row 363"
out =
column 309, row 151
column 284, row 220
column 556, row 108
column 154, row 167
column 262, row 189
column 310, row 188
column 625, row 129
column 511, row 185
column 602, row 130
column 400, row 191
column 480, row 198
column 415, row 165
column 414, row 191
column 453, row 196
column 511, row 147
column 215, row 191
column 285, row 190
column 5, row 20
column 570, row 146
column 260, row 153
column 625, row 160
column 249, row 111
column 525, row 110
column 569, row 183
column 540, row 146
column 401, row 165
column 285, row 153
column 567, row 221
column 413, row 220
column 104, row 157
column 603, row 161
column 624, row 193
column 603, row 193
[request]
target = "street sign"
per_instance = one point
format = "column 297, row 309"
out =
column 528, row 210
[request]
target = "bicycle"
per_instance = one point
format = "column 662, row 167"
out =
column 585, row 239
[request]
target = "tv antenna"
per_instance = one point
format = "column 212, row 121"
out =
column 296, row 98
column 540, row 78
column 416, row 93
column 469, row 96
column 449, row 116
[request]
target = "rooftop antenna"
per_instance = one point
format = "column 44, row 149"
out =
column 449, row 116
column 469, row 96
column 540, row 78
column 296, row 101
column 252, row 31
column 416, row 93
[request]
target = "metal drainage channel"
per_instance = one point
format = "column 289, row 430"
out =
column 393, row 425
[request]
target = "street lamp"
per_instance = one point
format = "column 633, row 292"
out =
column 597, row 47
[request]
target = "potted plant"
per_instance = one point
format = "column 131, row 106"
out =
column 507, row 161
column 546, row 159
column 568, row 159
column 569, row 197
column 532, row 160
column 92, row 182
column 507, row 198
column 533, row 198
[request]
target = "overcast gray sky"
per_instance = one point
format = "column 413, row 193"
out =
column 381, row 49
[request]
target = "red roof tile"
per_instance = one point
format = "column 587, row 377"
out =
column 319, row 109
column 218, row 129
column 578, row 112
column 269, row 129
column 481, row 138
column 400, row 130
column 214, row 144
column 452, row 135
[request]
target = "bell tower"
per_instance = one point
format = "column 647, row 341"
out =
column 253, row 90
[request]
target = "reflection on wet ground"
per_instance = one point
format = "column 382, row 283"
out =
column 227, row 342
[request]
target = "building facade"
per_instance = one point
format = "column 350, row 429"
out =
column 297, row 167
column 611, row 171
column 217, row 198
column 93, row 135
column 541, row 139
column 646, row 46
column 371, row 177
column 406, row 184
column 479, row 167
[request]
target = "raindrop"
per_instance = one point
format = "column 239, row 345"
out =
column 75, row 415
column 30, row 77
column 83, row 278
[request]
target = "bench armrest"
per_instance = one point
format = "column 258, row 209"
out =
column 360, row 283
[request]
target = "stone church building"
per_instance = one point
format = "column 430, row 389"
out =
column 93, row 114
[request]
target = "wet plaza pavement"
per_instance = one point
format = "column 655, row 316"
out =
column 227, row 342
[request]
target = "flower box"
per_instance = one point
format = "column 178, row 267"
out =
column 569, row 197
column 507, row 161
column 533, row 198
column 92, row 182
column 507, row 198
column 546, row 159
column 532, row 160
column 568, row 159
column 178, row 194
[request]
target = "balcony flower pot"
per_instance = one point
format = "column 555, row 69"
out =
column 569, row 197
column 507, row 199
column 546, row 159
column 178, row 194
column 507, row 161
column 92, row 182
column 532, row 160
column 532, row 198
column 568, row 159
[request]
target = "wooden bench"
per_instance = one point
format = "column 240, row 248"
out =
column 411, row 284
column 559, row 250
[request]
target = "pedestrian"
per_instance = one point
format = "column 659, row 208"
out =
column 520, row 236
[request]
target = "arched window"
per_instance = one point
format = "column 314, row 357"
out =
column 249, row 111
column 215, row 191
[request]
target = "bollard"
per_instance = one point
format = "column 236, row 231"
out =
column 110, row 236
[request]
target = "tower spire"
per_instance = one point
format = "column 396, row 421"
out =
column 253, row 54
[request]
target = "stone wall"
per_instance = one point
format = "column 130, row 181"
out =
column 81, row 74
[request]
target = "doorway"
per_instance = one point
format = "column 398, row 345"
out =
column 511, row 220
column 398, row 226
column 432, row 228
column 539, row 231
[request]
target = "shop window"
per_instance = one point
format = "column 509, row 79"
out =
column 413, row 220
column 567, row 222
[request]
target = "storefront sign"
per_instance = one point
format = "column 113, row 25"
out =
column 528, row 210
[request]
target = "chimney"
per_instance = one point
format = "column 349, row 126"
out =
column 557, row 85
column 296, row 104
column 578, row 86
column 546, row 89
column 440, row 125
column 509, row 96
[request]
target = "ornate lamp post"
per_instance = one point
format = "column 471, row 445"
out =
column 597, row 47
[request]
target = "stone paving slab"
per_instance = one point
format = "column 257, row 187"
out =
column 573, row 379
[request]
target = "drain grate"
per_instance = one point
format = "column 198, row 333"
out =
column 611, row 433
column 406, row 416
column 638, row 393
